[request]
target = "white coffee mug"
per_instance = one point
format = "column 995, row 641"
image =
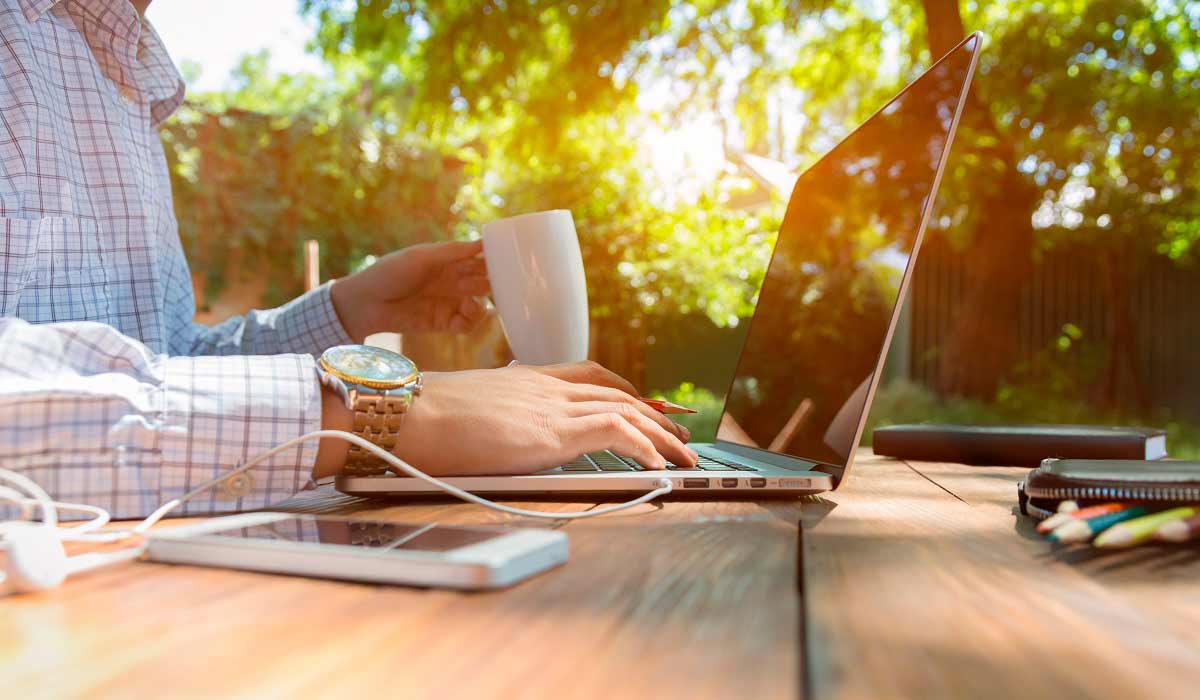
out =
column 538, row 284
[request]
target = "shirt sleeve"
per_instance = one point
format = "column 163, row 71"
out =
column 308, row 324
column 95, row 417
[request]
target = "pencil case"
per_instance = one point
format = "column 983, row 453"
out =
column 1097, row 480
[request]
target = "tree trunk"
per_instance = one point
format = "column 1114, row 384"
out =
column 943, row 26
column 981, row 346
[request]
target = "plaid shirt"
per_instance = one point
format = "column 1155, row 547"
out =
column 109, row 393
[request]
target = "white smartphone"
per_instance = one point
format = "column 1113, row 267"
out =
column 437, row 556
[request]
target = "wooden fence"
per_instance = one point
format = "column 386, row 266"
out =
column 1067, row 287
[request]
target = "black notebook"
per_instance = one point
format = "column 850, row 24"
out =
column 1017, row 445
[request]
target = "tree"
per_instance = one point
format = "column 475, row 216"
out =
column 250, row 184
column 1081, row 133
column 543, row 118
column 1090, row 110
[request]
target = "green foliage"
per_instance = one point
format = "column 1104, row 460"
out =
column 1095, row 101
column 439, row 115
column 249, row 186
column 644, row 258
column 1057, row 380
column 702, row 423
column 545, row 113
column 1101, row 101
column 434, row 63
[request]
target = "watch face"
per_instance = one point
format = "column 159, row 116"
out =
column 362, row 362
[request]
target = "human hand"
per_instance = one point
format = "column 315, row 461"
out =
column 434, row 287
column 523, row 419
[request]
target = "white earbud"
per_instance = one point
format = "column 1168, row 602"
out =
column 36, row 559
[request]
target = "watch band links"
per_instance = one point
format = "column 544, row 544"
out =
column 377, row 418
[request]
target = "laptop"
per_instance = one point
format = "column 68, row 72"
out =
column 824, row 318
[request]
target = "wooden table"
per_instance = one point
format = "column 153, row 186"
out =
column 917, row 581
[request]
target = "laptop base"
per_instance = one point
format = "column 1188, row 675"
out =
column 745, row 478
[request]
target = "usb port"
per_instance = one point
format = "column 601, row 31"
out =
column 729, row 483
column 758, row 483
column 695, row 483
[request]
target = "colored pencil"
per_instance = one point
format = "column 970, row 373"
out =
column 1179, row 530
column 1054, row 521
column 1138, row 530
column 1083, row 530
column 1067, row 507
column 666, row 406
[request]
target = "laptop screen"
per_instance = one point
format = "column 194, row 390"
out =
column 830, row 293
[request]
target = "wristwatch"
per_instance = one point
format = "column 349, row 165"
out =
column 382, row 386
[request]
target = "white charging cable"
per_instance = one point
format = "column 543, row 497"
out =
column 663, row 485
column 37, row 561
column 101, row 517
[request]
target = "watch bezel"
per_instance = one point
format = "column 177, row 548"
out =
column 384, row 384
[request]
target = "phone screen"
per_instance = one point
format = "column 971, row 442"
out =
column 365, row 533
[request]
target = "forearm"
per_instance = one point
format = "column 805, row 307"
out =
column 308, row 324
column 95, row 417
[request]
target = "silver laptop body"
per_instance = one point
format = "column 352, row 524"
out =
column 816, row 344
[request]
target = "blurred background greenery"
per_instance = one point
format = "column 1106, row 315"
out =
column 1059, row 279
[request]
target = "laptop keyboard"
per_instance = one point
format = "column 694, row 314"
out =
column 609, row 462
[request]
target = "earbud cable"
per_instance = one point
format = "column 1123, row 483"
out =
column 85, row 532
column 663, row 485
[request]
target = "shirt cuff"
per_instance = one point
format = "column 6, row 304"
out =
column 309, row 323
column 219, row 412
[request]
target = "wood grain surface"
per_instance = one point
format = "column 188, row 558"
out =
column 922, row 582
column 918, row 582
column 680, row 599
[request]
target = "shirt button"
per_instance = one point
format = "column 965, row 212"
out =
column 236, row 486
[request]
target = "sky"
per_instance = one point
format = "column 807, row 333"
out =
column 216, row 33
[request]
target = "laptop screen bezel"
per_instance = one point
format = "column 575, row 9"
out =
column 836, row 471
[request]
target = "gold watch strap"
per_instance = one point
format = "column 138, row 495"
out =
column 377, row 417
